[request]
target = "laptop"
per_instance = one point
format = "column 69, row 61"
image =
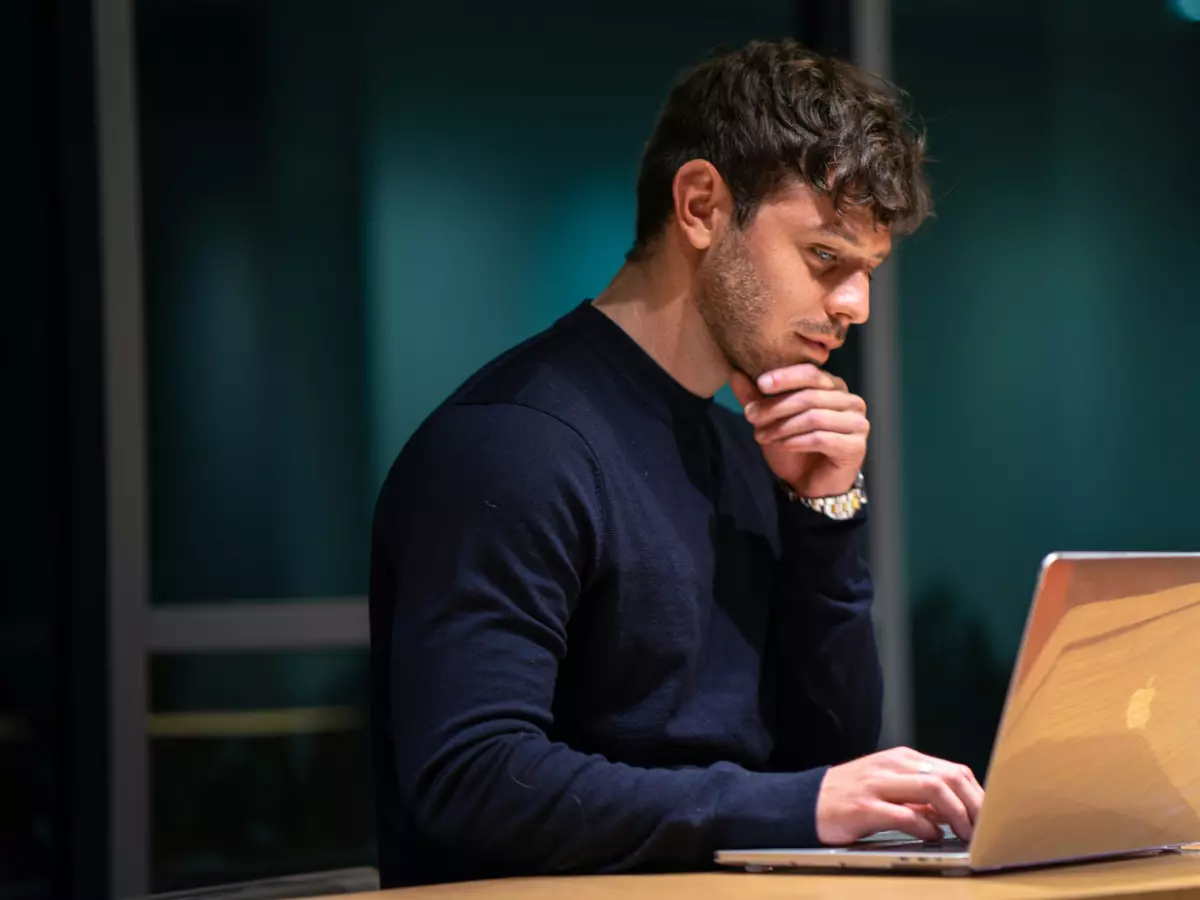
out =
column 1098, row 751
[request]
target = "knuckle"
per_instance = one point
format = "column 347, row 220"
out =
column 873, row 787
column 862, row 805
column 816, row 418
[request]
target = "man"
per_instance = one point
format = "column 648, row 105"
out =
column 615, row 626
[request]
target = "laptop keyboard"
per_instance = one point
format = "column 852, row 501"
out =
column 952, row 845
column 946, row 845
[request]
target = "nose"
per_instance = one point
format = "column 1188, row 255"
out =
column 851, row 299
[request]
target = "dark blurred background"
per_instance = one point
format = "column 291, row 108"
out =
column 255, row 242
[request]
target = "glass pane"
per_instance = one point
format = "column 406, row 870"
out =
column 1047, row 318
column 260, row 766
column 251, row 223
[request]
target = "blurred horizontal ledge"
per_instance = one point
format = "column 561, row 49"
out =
column 258, row 625
column 246, row 723
column 13, row 729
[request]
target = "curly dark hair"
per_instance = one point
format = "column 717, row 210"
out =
column 771, row 112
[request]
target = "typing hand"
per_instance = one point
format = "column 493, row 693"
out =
column 898, row 789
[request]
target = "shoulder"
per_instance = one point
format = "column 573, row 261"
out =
column 554, row 372
column 512, row 441
column 518, row 462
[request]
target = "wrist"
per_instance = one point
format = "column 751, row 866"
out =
column 840, row 506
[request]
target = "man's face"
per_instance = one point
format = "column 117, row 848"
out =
column 786, row 288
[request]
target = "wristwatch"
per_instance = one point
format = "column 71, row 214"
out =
column 839, row 506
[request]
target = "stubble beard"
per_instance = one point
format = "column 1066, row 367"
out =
column 734, row 305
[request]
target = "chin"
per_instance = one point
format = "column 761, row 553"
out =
column 781, row 362
column 756, row 362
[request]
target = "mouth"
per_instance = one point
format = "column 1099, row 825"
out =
column 819, row 348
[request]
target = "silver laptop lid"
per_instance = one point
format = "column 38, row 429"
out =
column 1098, row 750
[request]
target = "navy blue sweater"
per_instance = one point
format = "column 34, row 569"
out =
column 602, row 639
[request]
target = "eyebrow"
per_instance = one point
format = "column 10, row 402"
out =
column 833, row 229
column 840, row 231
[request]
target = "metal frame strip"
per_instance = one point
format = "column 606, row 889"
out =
column 872, row 35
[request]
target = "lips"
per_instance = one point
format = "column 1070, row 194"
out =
column 827, row 342
column 817, row 348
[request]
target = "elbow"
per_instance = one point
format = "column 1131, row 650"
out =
column 473, row 808
column 459, row 805
column 439, row 812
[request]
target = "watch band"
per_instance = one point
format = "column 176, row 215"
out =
column 839, row 506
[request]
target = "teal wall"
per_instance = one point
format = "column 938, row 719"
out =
column 1049, row 319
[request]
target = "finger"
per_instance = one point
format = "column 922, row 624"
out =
column 834, row 445
column 931, row 789
column 770, row 409
column 960, row 778
column 969, row 789
column 813, row 420
column 928, row 812
column 743, row 388
column 971, row 776
column 909, row 819
column 904, row 760
column 795, row 378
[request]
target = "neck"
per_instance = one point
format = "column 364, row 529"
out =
column 653, row 301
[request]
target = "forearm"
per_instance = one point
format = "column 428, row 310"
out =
column 516, row 803
column 830, row 681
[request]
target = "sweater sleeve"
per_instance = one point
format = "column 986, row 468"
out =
column 491, row 525
column 829, row 691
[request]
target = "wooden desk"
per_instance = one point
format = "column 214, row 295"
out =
column 1160, row 877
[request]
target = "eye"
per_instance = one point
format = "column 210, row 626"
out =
column 824, row 255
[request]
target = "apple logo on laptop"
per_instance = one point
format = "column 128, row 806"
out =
column 1138, row 713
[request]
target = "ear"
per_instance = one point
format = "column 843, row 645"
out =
column 703, row 204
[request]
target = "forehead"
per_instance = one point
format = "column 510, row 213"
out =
column 798, row 213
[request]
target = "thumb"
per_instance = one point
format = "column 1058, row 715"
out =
column 743, row 388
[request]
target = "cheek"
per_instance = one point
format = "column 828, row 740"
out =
column 791, row 290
